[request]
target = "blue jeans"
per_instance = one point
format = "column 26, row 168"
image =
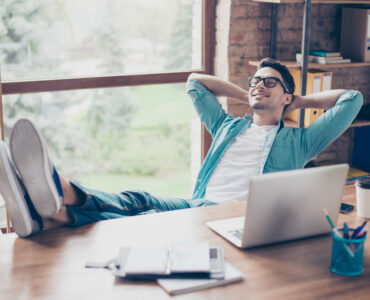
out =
column 98, row 205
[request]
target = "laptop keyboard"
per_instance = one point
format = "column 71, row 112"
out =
column 238, row 233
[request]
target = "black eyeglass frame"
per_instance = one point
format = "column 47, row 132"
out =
column 264, row 82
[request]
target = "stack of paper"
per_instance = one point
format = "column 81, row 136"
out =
column 190, row 260
column 178, row 268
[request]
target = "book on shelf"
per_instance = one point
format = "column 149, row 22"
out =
column 324, row 53
column 324, row 60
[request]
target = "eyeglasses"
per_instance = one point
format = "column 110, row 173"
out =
column 269, row 82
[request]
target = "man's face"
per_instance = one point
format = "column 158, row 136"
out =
column 270, row 99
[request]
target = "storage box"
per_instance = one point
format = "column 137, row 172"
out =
column 355, row 34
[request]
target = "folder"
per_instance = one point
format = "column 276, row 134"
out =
column 316, row 81
column 326, row 85
column 296, row 74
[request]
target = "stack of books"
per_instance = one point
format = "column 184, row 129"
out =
column 324, row 57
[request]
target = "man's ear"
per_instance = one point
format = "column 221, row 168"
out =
column 287, row 99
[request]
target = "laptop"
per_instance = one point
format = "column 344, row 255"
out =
column 285, row 206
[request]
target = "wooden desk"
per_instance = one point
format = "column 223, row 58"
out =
column 50, row 265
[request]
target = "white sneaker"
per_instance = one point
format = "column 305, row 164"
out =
column 23, row 216
column 31, row 159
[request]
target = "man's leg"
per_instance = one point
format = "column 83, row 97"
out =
column 31, row 159
column 61, row 202
column 82, row 205
column 63, row 217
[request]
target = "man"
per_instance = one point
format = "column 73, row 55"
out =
column 41, row 198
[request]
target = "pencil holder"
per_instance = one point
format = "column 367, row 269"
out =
column 347, row 255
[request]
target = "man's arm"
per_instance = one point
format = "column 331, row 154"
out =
column 330, row 125
column 324, row 100
column 221, row 87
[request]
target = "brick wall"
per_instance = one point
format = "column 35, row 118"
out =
column 243, row 34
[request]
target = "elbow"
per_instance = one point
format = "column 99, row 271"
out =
column 194, row 76
column 354, row 99
column 359, row 100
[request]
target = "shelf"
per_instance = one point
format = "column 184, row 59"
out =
column 356, row 123
column 360, row 123
column 294, row 64
column 280, row 1
column 316, row 1
column 290, row 123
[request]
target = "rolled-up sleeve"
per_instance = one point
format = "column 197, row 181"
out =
column 329, row 126
column 207, row 106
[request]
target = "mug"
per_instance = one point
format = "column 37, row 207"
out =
column 363, row 196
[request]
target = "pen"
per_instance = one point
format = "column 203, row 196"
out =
column 345, row 231
column 337, row 233
column 358, row 230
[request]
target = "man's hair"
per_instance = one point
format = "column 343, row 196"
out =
column 283, row 70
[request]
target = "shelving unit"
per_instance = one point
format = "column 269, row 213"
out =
column 304, row 65
column 316, row 1
column 356, row 123
column 294, row 64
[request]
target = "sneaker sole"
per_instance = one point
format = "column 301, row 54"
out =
column 13, row 197
column 32, row 161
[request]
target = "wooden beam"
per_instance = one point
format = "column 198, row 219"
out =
column 54, row 85
column 208, row 48
column 64, row 84
column 208, row 35
column 1, row 111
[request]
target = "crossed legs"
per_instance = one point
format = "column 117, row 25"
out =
column 38, row 197
column 63, row 216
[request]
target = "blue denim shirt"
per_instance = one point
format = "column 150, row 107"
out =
column 285, row 148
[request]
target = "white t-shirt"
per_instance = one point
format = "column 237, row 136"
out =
column 230, row 180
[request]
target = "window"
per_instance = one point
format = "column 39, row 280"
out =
column 78, row 38
column 136, row 138
column 49, row 46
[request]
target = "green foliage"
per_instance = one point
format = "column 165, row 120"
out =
column 175, row 184
column 18, row 19
column 180, row 51
column 139, row 131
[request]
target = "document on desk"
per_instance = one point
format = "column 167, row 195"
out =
column 180, row 259
column 176, row 286
column 191, row 257
column 146, row 260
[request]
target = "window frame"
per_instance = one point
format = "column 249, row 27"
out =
column 64, row 84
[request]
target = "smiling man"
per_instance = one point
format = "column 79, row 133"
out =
column 243, row 147
column 38, row 197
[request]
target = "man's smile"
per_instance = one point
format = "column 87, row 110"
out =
column 259, row 94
